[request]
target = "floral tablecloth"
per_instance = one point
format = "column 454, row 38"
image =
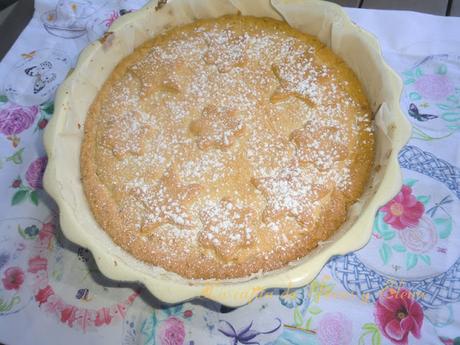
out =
column 402, row 288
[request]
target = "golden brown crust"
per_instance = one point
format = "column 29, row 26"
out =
column 226, row 147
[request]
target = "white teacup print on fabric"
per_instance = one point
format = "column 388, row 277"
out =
column 98, row 24
column 420, row 245
column 69, row 18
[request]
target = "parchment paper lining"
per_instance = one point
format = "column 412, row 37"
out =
column 64, row 135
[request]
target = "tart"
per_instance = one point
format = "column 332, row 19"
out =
column 226, row 147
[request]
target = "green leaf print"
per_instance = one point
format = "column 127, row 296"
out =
column 444, row 226
column 444, row 106
column 453, row 98
column 411, row 260
column 370, row 329
column 385, row 253
column 399, row 248
column 388, row 235
column 21, row 232
column 376, row 227
column 414, row 96
column 362, row 337
column 376, row 339
column 314, row 310
column 410, row 182
column 379, row 225
column 48, row 108
column 16, row 158
column 408, row 73
column 454, row 127
column 424, row 199
column 6, row 306
column 34, row 197
column 19, row 196
column 148, row 328
column 369, row 326
column 451, row 116
column 308, row 323
column 426, row 259
column 3, row 99
column 442, row 69
column 298, row 319
column 418, row 72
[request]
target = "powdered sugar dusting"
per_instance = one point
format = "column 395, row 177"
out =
column 225, row 137
column 227, row 226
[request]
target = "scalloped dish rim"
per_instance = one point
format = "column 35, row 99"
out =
column 164, row 285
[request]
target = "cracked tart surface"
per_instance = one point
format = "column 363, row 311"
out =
column 226, row 147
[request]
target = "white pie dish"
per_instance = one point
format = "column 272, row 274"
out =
column 64, row 135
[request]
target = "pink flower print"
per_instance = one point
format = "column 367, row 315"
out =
column 54, row 305
column 434, row 86
column 335, row 329
column 13, row 277
column 43, row 294
column 118, row 311
column 15, row 118
column 103, row 317
column 68, row 315
column 397, row 314
column 171, row 332
column 37, row 264
column 35, row 172
column 84, row 319
column 420, row 238
column 403, row 210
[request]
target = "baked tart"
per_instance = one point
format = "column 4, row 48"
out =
column 226, row 147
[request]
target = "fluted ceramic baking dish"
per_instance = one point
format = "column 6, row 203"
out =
column 64, row 134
